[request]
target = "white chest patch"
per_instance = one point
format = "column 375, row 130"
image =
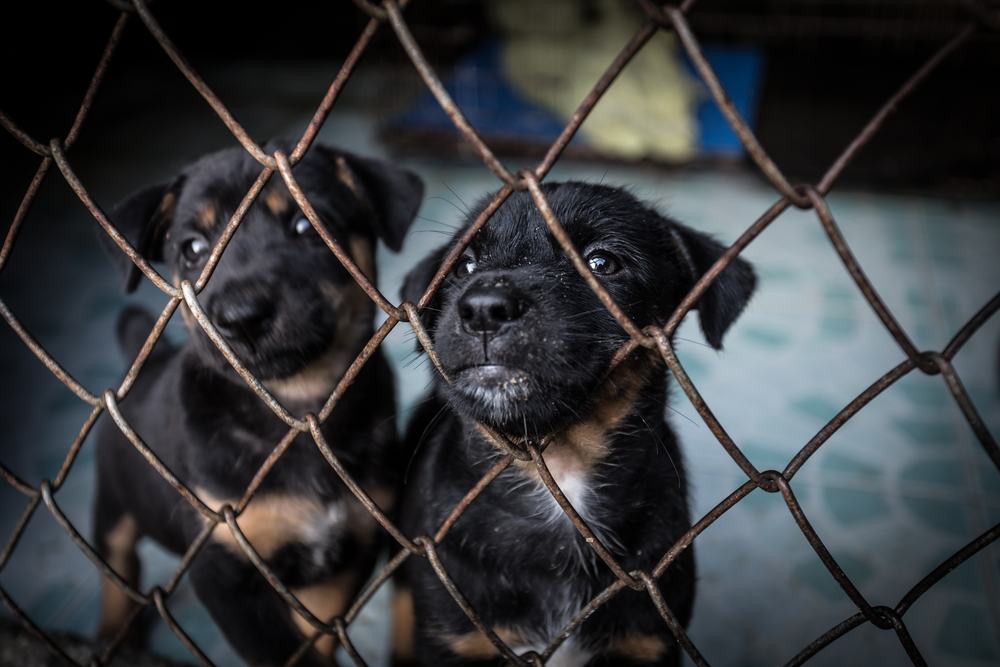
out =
column 579, row 487
column 573, row 484
column 569, row 654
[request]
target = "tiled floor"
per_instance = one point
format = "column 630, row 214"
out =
column 893, row 493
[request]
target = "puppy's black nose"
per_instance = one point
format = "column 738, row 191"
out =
column 242, row 318
column 486, row 308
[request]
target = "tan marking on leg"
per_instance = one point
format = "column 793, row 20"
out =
column 404, row 627
column 325, row 600
column 269, row 522
column 206, row 216
column 639, row 648
column 277, row 201
column 115, row 604
column 475, row 645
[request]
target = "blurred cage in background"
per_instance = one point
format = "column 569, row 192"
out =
column 930, row 33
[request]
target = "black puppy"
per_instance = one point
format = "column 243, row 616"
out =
column 297, row 319
column 526, row 346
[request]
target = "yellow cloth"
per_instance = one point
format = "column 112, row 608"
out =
column 556, row 50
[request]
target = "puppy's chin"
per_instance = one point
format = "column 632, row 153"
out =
column 278, row 366
column 265, row 364
column 510, row 399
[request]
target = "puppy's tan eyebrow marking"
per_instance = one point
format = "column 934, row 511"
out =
column 168, row 205
column 277, row 202
column 206, row 216
column 363, row 255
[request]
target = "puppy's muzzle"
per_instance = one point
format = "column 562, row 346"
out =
column 242, row 315
column 489, row 309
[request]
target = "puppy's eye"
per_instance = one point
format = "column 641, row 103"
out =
column 603, row 263
column 302, row 226
column 465, row 266
column 194, row 250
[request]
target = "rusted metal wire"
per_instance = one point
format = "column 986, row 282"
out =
column 355, row 488
column 588, row 535
column 444, row 99
column 852, row 409
column 199, row 84
column 230, row 229
column 470, row 611
column 865, row 285
column 300, row 198
column 161, row 606
column 35, row 630
column 667, row 351
column 654, row 338
column 45, row 357
column 581, row 266
column 88, row 551
column 60, row 157
column 23, row 208
column 206, row 324
column 580, row 115
column 112, row 406
column 669, row 618
column 276, row 583
column 824, row 554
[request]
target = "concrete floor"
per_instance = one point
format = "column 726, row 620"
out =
column 893, row 493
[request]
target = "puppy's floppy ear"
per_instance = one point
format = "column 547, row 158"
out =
column 394, row 195
column 415, row 284
column 728, row 294
column 143, row 219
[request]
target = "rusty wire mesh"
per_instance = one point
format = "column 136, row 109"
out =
column 810, row 196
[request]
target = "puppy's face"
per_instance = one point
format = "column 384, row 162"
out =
column 521, row 336
column 278, row 295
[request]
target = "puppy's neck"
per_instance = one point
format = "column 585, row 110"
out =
column 583, row 444
column 312, row 385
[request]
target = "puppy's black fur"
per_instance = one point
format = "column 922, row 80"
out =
column 527, row 346
column 297, row 319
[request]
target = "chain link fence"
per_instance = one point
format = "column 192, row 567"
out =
column 389, row 16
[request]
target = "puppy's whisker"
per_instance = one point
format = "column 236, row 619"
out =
column 694, row 342
column 467, row 210
column 681, row 414
column 433, row 231
column 423, row 435
column 657, row 442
